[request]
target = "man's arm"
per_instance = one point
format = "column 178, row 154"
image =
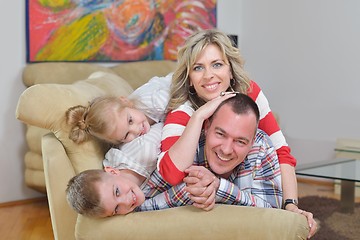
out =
column 161, row 195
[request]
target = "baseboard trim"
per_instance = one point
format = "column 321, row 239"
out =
column 315, row 181
column 23, row 202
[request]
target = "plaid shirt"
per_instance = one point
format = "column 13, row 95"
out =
column 254, row 182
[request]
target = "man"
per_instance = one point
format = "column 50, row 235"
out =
column 235, row 164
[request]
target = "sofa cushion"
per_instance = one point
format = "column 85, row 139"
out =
column 137, row 73
column 59, row 72
column 188, row 222
column 55, row 99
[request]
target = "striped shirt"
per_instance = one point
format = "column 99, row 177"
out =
column 254, row 182
column 177, row 120
column 140, row 155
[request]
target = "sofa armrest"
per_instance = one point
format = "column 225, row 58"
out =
column 223, row 222
column 56, row 162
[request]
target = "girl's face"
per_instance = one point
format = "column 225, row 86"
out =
column 118, row 195
column 129, row 123
column 210, row 75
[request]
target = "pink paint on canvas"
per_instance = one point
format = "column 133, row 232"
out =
column 110, row 30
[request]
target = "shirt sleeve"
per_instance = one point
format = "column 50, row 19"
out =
column 161, row 195
column 269, row 125
column 258, row 184
column 139, row 155
column 153, row 97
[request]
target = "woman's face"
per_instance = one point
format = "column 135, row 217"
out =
column 210, row 75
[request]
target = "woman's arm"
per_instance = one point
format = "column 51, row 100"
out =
column 180, row 138
column 269, row 125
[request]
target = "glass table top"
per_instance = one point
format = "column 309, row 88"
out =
column 349, row 149
column 342, row 169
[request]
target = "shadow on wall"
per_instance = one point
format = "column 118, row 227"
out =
column 309, row 150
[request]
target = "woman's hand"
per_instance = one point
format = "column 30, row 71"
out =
column 309, row 216
column 201, row 184
column 206, row 110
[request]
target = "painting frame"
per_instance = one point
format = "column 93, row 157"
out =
column 112, row 30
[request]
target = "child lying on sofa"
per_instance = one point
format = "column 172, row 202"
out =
column 133, row 124
column 101, row 193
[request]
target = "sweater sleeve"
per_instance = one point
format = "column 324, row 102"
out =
column 174, row 126
column 269, row 125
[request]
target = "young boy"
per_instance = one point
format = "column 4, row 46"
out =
column 88, row 193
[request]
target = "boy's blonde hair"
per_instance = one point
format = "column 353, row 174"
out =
column 83, row 195
column 187, row 56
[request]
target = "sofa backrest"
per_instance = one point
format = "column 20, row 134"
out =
column 54, row 87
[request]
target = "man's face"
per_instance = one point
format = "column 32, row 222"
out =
column 229, row 138
column 118, row 195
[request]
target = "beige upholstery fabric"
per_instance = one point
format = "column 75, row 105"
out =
column 135, row 73
column 58, row 98
column 223, row 222
column 43, row 105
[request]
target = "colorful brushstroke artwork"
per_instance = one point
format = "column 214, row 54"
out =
column 112, row 30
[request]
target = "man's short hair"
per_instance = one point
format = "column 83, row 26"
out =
column 240, row 104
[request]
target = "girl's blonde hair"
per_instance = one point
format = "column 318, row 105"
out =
column 187, row 55
column 93, row 120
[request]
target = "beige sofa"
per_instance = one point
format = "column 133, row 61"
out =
column 54, row 87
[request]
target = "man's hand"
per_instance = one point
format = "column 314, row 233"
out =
column 201, row 184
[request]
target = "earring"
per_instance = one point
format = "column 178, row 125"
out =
column 232, row 84
column 192, row 90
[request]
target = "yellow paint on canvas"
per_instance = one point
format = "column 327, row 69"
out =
column 78, row 41
column 56, row 4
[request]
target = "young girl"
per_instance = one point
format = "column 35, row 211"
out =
column 119, row 121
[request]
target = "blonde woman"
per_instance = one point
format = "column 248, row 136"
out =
column 208, row 66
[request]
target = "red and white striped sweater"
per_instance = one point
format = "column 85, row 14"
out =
column 177, row 120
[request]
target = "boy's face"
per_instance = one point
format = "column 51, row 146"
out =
column 129, row 123
column 118, row 195
column 229, row 138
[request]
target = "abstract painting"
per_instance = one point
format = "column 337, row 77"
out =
column 112, row 30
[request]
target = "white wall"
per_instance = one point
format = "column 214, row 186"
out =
column 303, row 53
column 12, row 142
column 306, row 56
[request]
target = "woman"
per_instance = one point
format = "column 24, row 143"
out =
column 208, row 66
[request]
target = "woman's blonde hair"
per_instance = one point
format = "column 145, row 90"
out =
column 187, row 55
column 93, row 120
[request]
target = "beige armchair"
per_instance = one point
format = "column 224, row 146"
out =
column 53, row 88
